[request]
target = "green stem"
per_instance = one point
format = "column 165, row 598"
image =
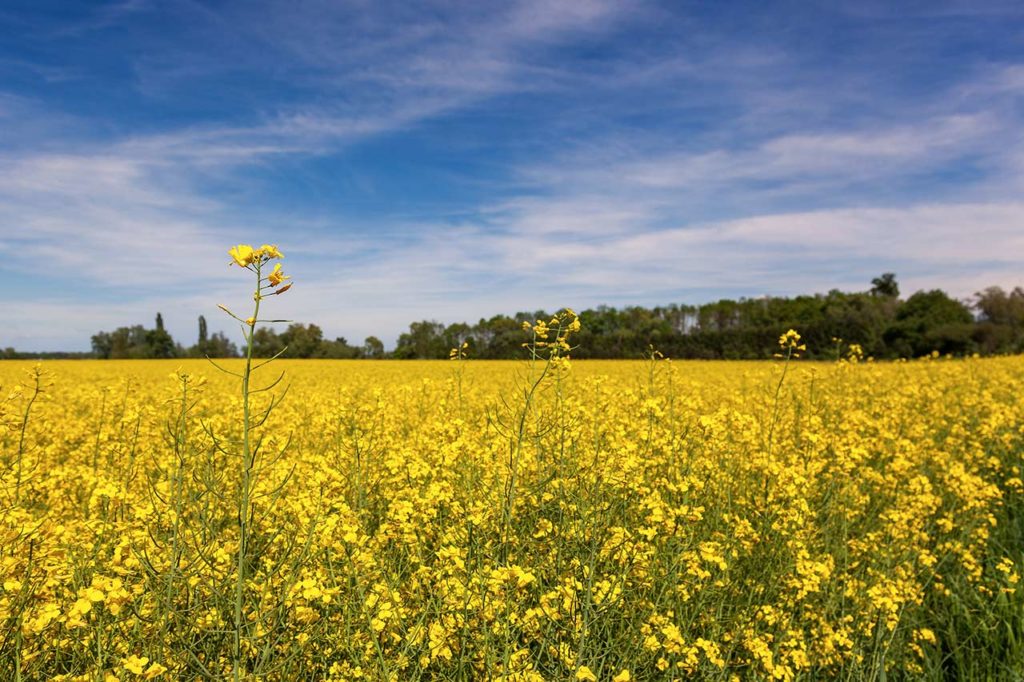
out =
column 243, row 499
column 181, row 442
column 775, row 402
column 24, row 428
column 99, row 432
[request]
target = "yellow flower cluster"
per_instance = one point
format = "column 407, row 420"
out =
column 639, row 520
column 790, row 343
column 245, row 256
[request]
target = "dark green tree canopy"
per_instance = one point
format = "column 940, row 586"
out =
column 885, row 286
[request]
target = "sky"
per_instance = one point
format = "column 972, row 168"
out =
column 451, row 160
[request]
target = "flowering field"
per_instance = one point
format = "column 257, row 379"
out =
column 499, row 520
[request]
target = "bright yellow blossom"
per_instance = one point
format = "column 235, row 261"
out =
column 154, row 670
column 135, row 664
column 276, row 276
column 243, row 255
column 271, row 251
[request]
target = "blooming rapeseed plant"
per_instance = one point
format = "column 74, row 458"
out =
column 542, row 520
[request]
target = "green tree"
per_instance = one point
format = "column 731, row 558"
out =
column 159, row 344
column 102, row 345
column 885, row 285
column 220, row 346
column 130, row 342
column 303, row 341
column 930, row 321
column 373, row 348
column 1000, row 327
column 266, row 343
column 338, row 349
column 424, row 340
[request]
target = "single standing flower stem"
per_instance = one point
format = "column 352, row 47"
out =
column 37, row 382
column 243, row 498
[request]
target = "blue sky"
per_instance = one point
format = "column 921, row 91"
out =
column 454, row 160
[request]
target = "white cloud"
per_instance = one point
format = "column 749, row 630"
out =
column 801, row 160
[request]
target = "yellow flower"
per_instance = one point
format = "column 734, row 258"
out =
column 585, row 673
column 242, row 254
column 47, row 614
column 81, row 607
column 791, row 339
column 276, row 276
column 154, row 670
column 135, row 664
column 251, row 321
column 623, row 676
column 270, row 251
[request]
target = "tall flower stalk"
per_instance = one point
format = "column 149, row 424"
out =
column 37, row 387
column 255, row 261
column 548, row 356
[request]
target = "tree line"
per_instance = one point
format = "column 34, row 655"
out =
column 137, row 342
column 297, row 341
column 884, row 324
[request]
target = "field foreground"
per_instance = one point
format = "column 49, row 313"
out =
column 437, row 520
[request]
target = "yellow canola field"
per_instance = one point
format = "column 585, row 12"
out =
column 436, row 520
